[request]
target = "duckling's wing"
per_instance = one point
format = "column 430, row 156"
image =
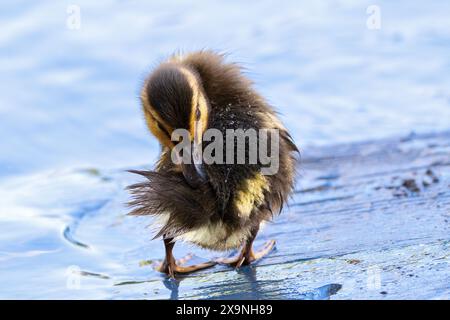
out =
column 169, row 196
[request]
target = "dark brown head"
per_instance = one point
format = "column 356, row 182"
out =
column 173, row 98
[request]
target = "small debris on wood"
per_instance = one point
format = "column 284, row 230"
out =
column 411, row 185
column 353, row 261
column 432, row 175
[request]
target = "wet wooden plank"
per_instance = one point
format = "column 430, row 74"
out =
column 368, row 220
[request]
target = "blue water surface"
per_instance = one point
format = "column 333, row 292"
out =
column 69, row 97
column 70, row 118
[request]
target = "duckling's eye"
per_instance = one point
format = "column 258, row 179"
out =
column 197, row 114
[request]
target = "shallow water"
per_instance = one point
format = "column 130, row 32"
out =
column 352, row 231
column 70, row 124
column 77, row 243
column 69, row 98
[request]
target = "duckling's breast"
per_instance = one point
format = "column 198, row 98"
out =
column 216, row 236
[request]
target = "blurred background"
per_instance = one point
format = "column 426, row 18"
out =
column 70, row 72
column 70, row 123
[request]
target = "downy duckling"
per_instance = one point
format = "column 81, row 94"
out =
column 217, row 206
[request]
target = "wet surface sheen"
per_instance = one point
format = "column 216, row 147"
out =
column 366, row 221
column 354, row 230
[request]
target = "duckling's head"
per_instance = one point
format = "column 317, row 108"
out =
column 173, row 98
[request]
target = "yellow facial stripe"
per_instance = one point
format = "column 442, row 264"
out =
column 152, row 119
column 199, row 126
column 196, row 126
column 162, row 137
column 251, row 194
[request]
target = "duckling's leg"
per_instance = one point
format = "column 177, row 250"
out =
column 170, row 266
column 247, row 255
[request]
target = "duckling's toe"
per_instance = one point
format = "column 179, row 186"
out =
column 268, row 246
column 194, row 267
column 247, row 255
column 235, row 261
column 172, row 268
column 185, row 259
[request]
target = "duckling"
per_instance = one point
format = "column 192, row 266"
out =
column 217, row 206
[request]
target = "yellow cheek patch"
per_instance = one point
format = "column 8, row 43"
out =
column 156, row 131
column 251, row 194
column 152, row 119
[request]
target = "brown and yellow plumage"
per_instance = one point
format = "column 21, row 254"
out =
column 223, row 207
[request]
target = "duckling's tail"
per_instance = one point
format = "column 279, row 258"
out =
column 169, row 196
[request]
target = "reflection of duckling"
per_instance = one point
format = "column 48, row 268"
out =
column 215, row 206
